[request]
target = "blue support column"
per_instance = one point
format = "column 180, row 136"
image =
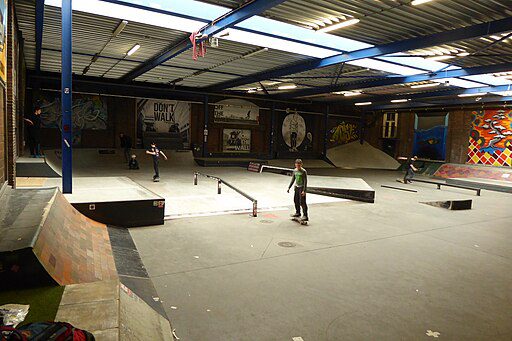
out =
column 272, row 129
column 205, row 132
column 39, row 32
column 326, row 130
column 66, row 84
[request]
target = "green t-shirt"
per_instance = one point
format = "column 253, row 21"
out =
column 300, row 177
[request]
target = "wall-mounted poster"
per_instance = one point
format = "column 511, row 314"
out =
column 236, row 141
column 164, row 116
column 430, row 136
column 89, row 113
column 236, row 111
column 3, row 40
column 296, row 135
column 490, row 139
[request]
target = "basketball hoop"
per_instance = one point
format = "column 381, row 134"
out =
column 198, row 50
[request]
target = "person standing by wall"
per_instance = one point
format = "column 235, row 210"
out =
column 33, row 125
column 126, row 144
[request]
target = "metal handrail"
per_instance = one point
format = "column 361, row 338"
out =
column 219, row 190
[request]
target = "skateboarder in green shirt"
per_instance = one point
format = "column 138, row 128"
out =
column 300, row 178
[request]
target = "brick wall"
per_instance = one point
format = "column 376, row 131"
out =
column 3, row 138
column 459, row 126
column 11, row 121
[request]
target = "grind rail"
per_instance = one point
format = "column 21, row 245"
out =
column 439, row 184
column 219, row 190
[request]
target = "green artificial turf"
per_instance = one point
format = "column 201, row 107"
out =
column 43, row 302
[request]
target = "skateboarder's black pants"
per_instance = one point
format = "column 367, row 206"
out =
column 408, row 175
column 33, row 140
column 300, row 201
column 155, row 167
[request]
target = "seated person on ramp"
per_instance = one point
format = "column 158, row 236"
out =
column 133, row 164
column 155, row 152
column 409, row 173
column 300, row 178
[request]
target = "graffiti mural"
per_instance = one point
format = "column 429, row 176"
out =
column 343, row 133
column 490, row 139
column 89, row 113
column 430, row 143
column 430, row 132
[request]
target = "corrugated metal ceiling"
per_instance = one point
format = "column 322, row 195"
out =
column 382, row 21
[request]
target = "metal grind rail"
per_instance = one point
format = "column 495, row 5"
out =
column 219, row 190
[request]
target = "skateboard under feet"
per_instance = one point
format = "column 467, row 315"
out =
column 300, row 221
column 156, row 179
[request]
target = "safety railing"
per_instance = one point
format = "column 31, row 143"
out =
column 219, row 190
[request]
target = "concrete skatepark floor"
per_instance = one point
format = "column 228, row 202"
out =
column 391, row 270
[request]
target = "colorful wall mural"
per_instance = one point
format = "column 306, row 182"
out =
column 342, row 133
column 490, row 139
column 89, row 113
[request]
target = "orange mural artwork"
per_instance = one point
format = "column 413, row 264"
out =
column 490, row 141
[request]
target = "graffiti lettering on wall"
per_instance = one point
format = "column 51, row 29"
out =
column 236, row 140
column 89, row 113
column 343, row 133
column 490, row 139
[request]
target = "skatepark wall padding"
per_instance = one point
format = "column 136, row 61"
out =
column 357, row 155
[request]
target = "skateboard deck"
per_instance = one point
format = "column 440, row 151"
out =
column 400, row 181
column 300, row 221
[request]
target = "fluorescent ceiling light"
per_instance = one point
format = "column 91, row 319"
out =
column 463, row 54
column 399, row 100
column 133, row 50
column 270, row 83
column 345, row 23
column 473, row 95
column 363, row 103
column 443, row 57
column 120, row 28
column 428, row 85
column 419, row 2
column 352, row 93
column 348, row 93
column 287, row 86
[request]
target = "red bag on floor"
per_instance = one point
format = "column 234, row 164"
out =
column 52, row 331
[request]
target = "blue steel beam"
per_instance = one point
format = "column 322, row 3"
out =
column 440, row 103
column 432, row 94
column 66, row 98
column 39, row 32
column 475, row 31
column 393, row 80
column 218, row 25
